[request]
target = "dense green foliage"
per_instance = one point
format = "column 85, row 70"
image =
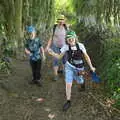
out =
column 5, row 65
column 111, row 67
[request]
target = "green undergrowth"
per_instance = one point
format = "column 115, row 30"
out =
column 110, row 68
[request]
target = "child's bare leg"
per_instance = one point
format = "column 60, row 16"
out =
column 68, row 90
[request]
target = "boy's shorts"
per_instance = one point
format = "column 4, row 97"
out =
column 71, row 73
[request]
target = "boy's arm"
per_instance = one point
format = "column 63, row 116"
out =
column 58, row 56
column 27, row 51
column 87, row 58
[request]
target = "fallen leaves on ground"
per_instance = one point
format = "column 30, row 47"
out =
column 40, row 99
column 51, row 116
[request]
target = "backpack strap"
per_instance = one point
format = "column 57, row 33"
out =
column 70, row 54
column 78, row 48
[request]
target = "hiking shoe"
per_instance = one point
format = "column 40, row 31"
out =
column 66, row 106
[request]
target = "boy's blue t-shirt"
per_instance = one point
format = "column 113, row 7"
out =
column 34, row 47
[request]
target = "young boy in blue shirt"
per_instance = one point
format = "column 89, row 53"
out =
column 35, row 51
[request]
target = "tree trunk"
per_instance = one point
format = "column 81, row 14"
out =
column 18, row 26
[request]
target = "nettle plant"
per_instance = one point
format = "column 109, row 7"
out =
column 5, row 65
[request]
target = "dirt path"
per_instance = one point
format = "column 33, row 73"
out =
column 18, row 98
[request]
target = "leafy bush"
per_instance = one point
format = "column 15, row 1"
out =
column 111, row 66
column 5, row 65
column 116, row 97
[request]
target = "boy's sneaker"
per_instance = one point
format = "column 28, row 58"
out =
column 66, row 106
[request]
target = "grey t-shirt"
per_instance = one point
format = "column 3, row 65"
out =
column 59, row 36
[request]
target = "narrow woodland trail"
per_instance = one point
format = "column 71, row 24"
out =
column 18, row 98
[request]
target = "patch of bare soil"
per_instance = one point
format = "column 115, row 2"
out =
column 20, row 100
